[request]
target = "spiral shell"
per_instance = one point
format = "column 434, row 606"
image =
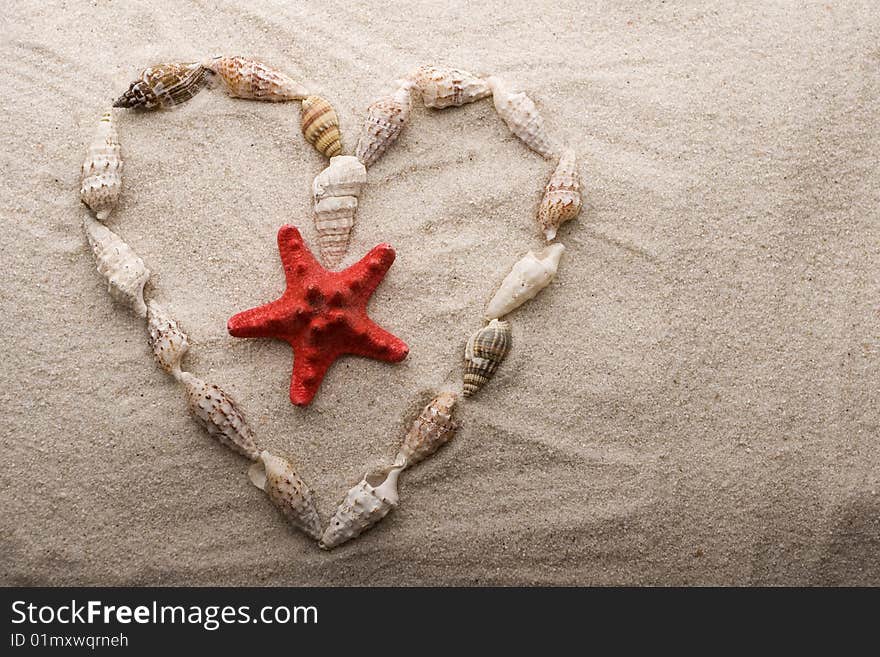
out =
column 218, row 414
column 562, row 196
column 384, row 123
column 102, row 170
column 522, row 117
column 287, row 491
column 442, row 87
column 363, row 506
column 320, row 126
column 168, row 342
column 528, row 277
column 253, row 80
column 335, row 191
column 164, row 86
column 484, row 352
column 432, row 429
column 125, row 272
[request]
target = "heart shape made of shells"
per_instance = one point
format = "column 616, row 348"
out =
column 335, row 191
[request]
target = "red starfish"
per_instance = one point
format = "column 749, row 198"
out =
column 322, row 314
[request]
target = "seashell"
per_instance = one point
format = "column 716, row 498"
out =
column 432, row 429
column 164, row 86
column 320, row 126
column 448, row 87
column 562, row 196
column 528, row 277
column 363, row 506
column 385, row 120
column 168, row 342
column 335, row 191
column 102, row 170
column 125, row 272
column 218, row 414
column 483, row 354
column 253, row 80
column 522, row 117
column 287, row 491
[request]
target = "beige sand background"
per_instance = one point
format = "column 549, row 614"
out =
column 694, row 400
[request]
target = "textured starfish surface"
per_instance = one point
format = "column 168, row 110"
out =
column 322, row 314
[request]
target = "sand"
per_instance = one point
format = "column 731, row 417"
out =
column 694, row 400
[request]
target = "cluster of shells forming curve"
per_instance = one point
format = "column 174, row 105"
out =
column 335, row 193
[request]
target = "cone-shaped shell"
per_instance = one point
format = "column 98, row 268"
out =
column 448, row 87
column 164, row 86
column 335, row 191
column 484, row 352
column 102, row 170
column 562, row 196
column 384, row 123
column 168, row 342
column 363, row 506
column 528, row 277
column 125, row 272
column 522, row 117
column 287, row 491
column 432, row 429
column 219, row 415
column 254, row 80
column 320, row 126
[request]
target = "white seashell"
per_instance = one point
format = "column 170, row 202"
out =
column 345, row 176
column 287, row 491
column 522, row 117
column 448, row 87
column 125, row 272
column 528, row 277
column 384, row 123
column 102, row 170
column 218, row 414
column 168, row 342
column 335, row 191
column 363, row 506
column 562, row 196
column 432, row 429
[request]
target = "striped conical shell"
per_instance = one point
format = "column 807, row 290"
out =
column 320, row 126
column 384, row 123
column 102, row 170
column 254, row 80
column 562, row 196
column 432, row 429
column 483, row 354
column 287, row 491
column 164, row 86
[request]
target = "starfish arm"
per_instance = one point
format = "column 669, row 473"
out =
column 309, row 368
column 295, row 257
column 379, row 344
column 260, row 322
column 365, row 275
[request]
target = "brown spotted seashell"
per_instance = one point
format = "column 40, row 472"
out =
column 164, row 86
column 432, row 429
column 483, row 354
column 287, row 491
column 522, row 117
column 253, row 80
column 320, row 126
column 219, row 415
column 384, row 123
column 168, row 342
column 102, row 170
column 562, row 196
column 442, row 87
